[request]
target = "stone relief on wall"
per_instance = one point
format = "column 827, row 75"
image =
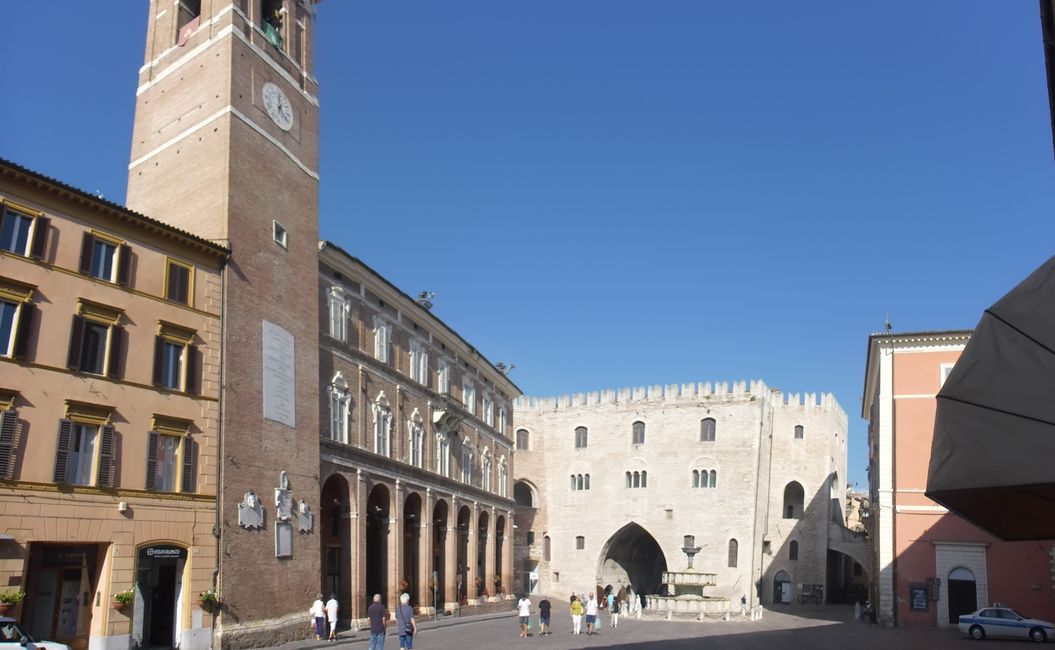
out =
column 304, row 517
column 250, row 512
column 283, row 498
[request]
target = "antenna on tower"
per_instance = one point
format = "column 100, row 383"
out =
column 889, row 328
column 425, row 299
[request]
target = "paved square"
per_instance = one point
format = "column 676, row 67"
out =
column 816, row 629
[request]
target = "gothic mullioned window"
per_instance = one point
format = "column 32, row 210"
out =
column 416, row 439
column 340, row 409
column 638, row 479
column 704, row 478
column 382, row 425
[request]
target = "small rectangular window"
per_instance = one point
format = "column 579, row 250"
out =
column 800, row 432
column 530, row 537
column 175, row 359
column 278, row 232
column 105, row 258
column 382, row 340
column 580, row 543
column 944, row 371
column 80, row 464
column 16, row 319
column 179, row 282
column 14, row 232
column 502, row 420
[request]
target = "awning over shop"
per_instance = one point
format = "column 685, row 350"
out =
column 993, row 456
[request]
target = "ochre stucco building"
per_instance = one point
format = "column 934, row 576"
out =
column 110, row 391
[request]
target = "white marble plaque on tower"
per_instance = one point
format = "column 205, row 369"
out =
column 279, row 385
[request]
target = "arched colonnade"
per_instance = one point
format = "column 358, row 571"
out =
column 387, row 536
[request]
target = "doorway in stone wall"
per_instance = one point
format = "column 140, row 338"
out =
column 632, row 558
column 963, row 593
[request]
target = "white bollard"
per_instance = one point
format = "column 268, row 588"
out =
column 857, row 611
column 726, row 617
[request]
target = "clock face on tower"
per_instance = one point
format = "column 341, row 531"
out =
column 278, row 107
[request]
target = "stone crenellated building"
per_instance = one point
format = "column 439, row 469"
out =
column 609, row 484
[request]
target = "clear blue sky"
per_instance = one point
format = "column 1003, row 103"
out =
column 614, row 193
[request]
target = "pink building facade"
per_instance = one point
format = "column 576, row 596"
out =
column 928, row 565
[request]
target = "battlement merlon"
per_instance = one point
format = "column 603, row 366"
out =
column 716, row 392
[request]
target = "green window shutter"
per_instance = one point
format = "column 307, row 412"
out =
column 124, row 264
column 153, row 438
column 25, row 324
column 117, row 342
column 190, row 464
column 40, row 237
column 76, row 343
column 8, row 422
column 159, row 359
column 86, row 253
column 62, row 450
column 106, row 475
column 192, row 366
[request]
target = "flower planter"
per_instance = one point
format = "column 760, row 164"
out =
column 7, row 608
column 118, row 605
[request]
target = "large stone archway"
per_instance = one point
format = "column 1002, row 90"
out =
column 632, row 557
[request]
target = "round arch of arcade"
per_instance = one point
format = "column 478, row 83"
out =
column 387, row 536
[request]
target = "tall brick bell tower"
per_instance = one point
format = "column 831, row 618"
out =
column 226, row 146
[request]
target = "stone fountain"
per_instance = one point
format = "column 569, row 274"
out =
column 685, row 590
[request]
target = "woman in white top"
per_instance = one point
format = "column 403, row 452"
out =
column 318, row 615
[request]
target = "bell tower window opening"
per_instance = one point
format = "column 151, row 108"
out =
column 272, row 12
column 187, row 11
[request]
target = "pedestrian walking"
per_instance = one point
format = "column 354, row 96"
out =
column 591, row 614
column 543, row 617
column 405, row 623
column 378, row 616
column 612, row 612
column 616, row 604
column 318, row 617
column 576, row 615
column 331, row 616
column 524, row 611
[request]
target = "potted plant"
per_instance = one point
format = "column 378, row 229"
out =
column 9, row 599
column 124, row 598
column 209, row 600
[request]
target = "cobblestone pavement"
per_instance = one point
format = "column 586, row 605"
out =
column 826, row 628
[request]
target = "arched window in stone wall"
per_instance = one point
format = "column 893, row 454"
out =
column 523, row 495
column 638, row 433
column 793, row 550
column 713, row 478
column 629, row 480
column 708, row 429
column 695, row 478
column 800, row 432
column 734, row 551
column 644, row 478
column 546, row 548
column 586, row 481
column 580, row 437
column 794, row 498
column 578, row 481
column 523, row 439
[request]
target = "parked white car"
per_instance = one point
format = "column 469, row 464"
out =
column 1005, row 622
column 13, row 636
